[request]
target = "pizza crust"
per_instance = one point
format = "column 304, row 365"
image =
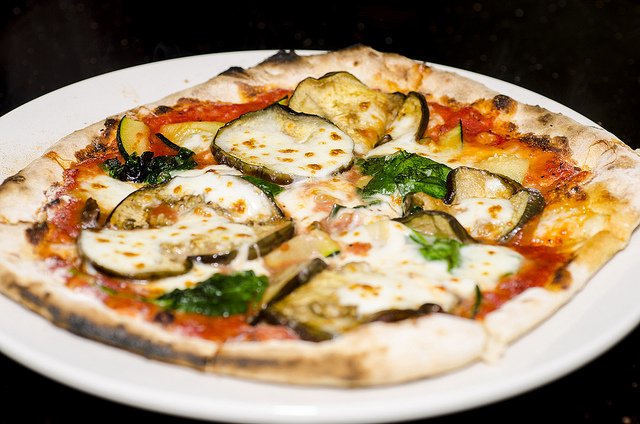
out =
column 371, row 355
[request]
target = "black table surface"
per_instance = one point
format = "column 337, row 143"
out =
column 583, row 54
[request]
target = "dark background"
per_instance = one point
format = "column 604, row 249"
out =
column 583, row 54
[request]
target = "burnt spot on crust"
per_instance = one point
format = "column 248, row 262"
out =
column 235, row 72
column 161, row 110
column 348, row 369
column 113, row 334
column 504, row 103
column 36, row 233
column 101, row 144
column 562, row 278
column 119, row 336
column 16, row 179
column 545, row 143
column 282, row 57
column 545, row 119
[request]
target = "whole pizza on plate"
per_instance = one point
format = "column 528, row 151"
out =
column 351, row 218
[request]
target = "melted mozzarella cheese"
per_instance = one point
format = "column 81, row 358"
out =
column 309, row 202
column 106, row 191
column 346, row 219
column 381, row 290
column 400, row 277
column 198, row 142
column 474, row 212
column 247, row 201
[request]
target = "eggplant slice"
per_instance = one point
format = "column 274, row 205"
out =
column 340, row 97
column 491, row 207
column 280, row 145
column 411, row 121
column 150, row 253
column 322, row 308
column 209, row 191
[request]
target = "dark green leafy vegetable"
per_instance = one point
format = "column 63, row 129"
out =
column 270, row 189
column 147, row 168
column 436, row 248
column 402, row 173
column 220, row 295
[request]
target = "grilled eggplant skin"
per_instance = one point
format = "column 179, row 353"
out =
column 468, row 183
column 436, row 223
column 282, row 284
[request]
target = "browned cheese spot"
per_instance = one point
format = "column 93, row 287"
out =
column 250, row 143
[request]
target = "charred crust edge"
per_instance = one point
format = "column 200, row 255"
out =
column 115, row 335
column 283, row 56
column 234, row 71
column 504, row 103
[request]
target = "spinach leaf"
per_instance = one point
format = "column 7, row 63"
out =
column 219, row 295
column 147, row 168
column 270, row 189
column 435, row 248
column 402, row 173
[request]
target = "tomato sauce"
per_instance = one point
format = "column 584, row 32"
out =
column 475, row 125
column 540, row 268
column 210, row 111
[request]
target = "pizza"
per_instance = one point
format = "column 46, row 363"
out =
column 351, row 218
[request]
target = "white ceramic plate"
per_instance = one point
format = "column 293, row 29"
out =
column 600, row 316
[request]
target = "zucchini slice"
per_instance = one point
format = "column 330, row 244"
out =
column 360, row 111
column 132, row 137
column 283, row 146
column 194, row 135
column 452, row 139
